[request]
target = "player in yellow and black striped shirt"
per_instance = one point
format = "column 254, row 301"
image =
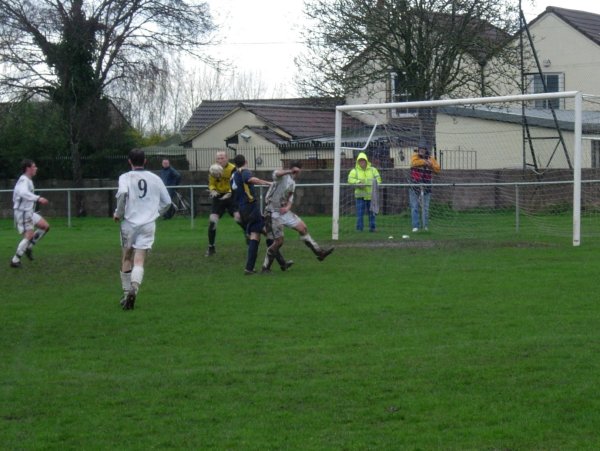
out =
column 220, row 194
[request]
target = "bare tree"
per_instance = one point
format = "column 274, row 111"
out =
column 162, row 105
column 437, row 47
column 72, row 51
column 247, row 85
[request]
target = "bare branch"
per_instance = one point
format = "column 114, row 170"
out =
column 130, row 36
column 439, row 45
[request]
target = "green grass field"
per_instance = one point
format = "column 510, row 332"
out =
column 424, row 344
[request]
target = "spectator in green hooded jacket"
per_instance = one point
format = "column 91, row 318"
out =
column 362, row 177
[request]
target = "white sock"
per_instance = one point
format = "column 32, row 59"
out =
column 137, row 275
column 21, row 248
column 313, row 244
column 126, row 281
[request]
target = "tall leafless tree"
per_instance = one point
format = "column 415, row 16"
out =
column 439, row 47
column 72, row 51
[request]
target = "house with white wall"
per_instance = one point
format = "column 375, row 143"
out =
column 567, row 45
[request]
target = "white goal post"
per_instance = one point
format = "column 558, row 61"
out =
column 457, row 133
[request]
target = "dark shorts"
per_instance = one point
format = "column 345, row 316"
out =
column 220, row 206
column 252, row 220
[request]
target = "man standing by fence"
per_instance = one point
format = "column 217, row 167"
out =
column 363, row 177
column 171, row 178
column 422, row 167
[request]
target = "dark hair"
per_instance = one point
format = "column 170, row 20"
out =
column 239, row 160
column 137, row 157
column 26, row 163
column 295, row 164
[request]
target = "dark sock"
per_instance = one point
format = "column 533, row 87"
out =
column 212, row 233
column 38, row 235
column 312, row 248
column 252, row 254
column 278, row 256
column 280, row 259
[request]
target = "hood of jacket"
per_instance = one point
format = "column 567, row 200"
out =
column 362, row 156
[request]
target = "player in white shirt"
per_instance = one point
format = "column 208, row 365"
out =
column 278, row 214
column 141, row 198
column 30, row 225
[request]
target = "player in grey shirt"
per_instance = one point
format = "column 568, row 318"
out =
column 279, row 214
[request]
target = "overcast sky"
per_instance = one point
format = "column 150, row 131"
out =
column 263, row 36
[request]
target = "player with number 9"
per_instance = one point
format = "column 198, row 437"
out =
column 141, row 198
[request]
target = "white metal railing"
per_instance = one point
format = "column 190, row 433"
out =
column 262, row 191
column 191, row 188
column 69, row 192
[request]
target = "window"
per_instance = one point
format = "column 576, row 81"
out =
column 555, row 82
column 399, row 93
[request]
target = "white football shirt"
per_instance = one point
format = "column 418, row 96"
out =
column 24, row 198
column 280, row 192
column 146, row 195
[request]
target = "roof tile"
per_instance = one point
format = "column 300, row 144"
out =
column 585, row 22
column 210, row 111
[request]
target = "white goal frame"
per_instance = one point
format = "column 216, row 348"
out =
column 577, row 148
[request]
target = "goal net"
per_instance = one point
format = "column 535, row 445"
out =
column 510, row 168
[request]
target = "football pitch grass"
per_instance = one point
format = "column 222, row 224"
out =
column 424, row 344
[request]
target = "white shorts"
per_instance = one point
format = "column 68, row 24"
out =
column 26, row 220
column 140, row 237
column 279, row 221
column 289, row 219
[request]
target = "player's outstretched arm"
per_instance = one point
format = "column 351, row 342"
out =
column 257, row 181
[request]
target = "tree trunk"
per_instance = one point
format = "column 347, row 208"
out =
column 77, row 178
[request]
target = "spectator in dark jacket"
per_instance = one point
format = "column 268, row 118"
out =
column 170, row 176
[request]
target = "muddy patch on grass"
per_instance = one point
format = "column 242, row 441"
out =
column 450, row 244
